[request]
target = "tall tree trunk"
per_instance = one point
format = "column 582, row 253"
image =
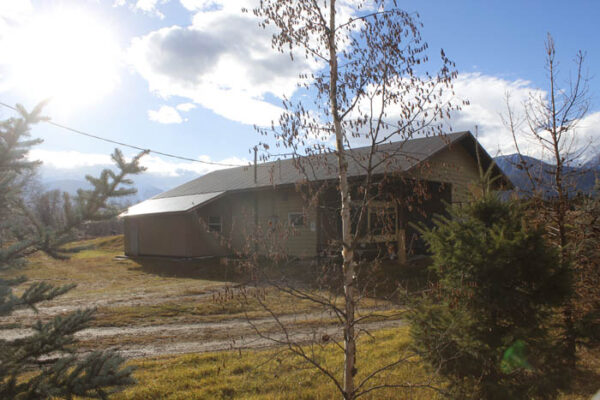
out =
column 560, row 211
column 347, row 248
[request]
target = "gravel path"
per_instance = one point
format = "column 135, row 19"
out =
column 154, row 340
column 251, row 341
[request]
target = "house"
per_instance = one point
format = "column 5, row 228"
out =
column 220, row 213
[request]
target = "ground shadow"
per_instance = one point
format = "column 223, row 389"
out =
column 206, row 269
column 382, row 278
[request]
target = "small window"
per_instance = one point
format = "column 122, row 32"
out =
column 214, row 224
column 382, row 221
column 296, row 219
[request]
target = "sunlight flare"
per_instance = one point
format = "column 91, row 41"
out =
column 67, row 56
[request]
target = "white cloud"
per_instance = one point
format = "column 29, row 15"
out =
column 149, row 7
column 587, row 133
column 12, row 15
column 486, row 95
column 165, row 115
column 487, row 105
column 483, row 116
column 159, row 166
column 73, row 70
column 222, row 61
column 13, row 12
column 185, row 107
column 70, row 160
column 200, row 5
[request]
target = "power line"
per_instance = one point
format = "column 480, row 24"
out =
column 77, row 131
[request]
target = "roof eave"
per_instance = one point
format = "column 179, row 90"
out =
column 188, row 210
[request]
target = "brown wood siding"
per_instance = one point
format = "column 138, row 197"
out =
column 163, row 235
column 239, row 214
column 300, row 241
column 203, row 242
column 186, row 234
column 456, row 166
column 130, row 228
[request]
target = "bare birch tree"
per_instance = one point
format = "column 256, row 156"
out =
column 550, row 119
column 370, row 89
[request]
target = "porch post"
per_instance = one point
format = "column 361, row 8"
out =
column 401, row 246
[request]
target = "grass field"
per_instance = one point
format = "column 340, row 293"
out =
column 162, row 293
column 156, row 291
column 99, row 276
column 272, row 374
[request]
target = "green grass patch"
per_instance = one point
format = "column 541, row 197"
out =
column 276, row 374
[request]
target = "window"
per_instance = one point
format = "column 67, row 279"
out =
column 214, row 224
column 379, row 222
column 382, row 221
column 296, row 219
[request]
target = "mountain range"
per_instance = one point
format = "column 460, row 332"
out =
column 147, row 184
column 580, row 178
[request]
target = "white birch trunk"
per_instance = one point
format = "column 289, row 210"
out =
column 347, row 251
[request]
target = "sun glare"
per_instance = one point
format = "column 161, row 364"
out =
column 66, row 56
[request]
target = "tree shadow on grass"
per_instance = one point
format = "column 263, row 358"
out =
column 208, row 269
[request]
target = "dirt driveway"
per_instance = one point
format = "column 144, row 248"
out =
column 178, row 338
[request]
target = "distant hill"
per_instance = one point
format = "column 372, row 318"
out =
column 66, row 185
column 594, row 163
column 581, row 179
column 69, row 180
column 144, row 191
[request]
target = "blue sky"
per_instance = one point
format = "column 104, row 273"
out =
column 154, row 81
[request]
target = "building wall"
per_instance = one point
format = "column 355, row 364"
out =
column 243, row 231
column 164, row 235
column 300, row 241
column 258, row 220
column 456, row 166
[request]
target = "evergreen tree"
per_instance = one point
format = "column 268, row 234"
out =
column 50, row 350
column 486, row 324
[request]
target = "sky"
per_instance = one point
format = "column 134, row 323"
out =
column 192, row 77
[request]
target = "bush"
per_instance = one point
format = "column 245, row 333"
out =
column 486, row 325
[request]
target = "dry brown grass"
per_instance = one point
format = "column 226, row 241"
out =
column 272, row 374
column 180, row 292
column 99, row 275
column 157, row 291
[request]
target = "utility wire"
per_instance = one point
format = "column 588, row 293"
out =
column 131, row 146
column 128, row 145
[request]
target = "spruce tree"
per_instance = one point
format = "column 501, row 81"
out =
column 486, row 325
column 45, row 364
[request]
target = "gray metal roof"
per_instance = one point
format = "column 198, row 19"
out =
column 170, row 204
column 396, row 156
